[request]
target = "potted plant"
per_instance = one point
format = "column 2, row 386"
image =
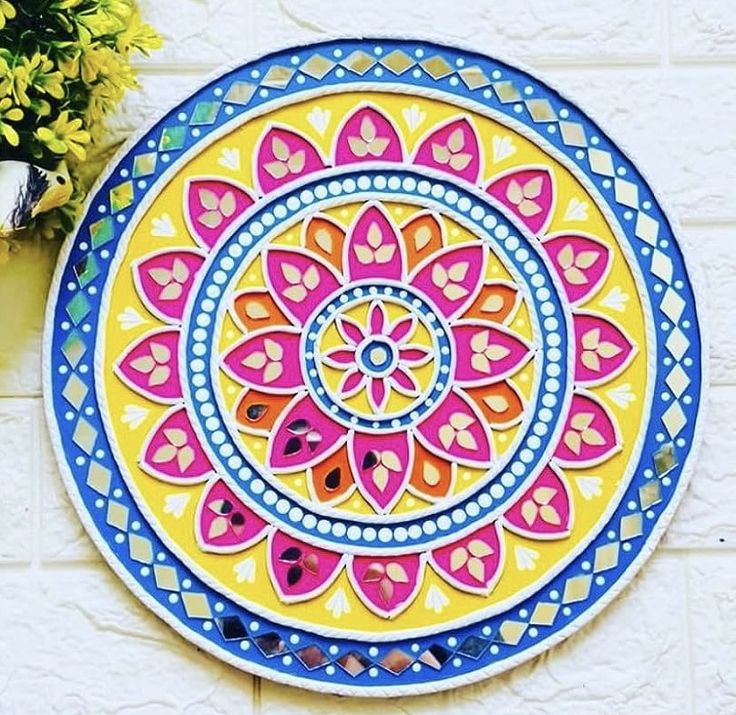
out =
column 64, row 67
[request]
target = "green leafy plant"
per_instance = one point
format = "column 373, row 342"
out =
column 64, row 66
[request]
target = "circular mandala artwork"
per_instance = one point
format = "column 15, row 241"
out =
column 374, row 367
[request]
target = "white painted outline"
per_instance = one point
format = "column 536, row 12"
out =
column 439, row 450
column 211, row 548
column 441, row 255
column 232, row 220
column 348, row 244
column 157, row 474
column 593, row 290
column 531, row 348
column 502, row 426
column 369, row 298
column 299, row 397
column 284, row 181
column 309, row 595
column 495, row 178
column 415, row 491
column 366, row 104
column 633, row 353
column 423, row 213
column 358, row 472
column 339, row 499
column 320, row 216
column 275, row 294
column 423, row 138
column 489, row 585
column 142, row 293
column 138, row 389
column 252, row 336
column 518, row 299
column 615, row 448
column 370, row 605
column 541, row 536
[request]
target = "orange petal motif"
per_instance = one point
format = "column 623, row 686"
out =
column 431, row 478
column 422, row 236
column 325, row 237
column 496, row 302
column 500, row 403
column 256, row 309
column 332, row 480
column 257, row 411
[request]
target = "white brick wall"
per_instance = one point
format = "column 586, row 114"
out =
column 661, row 77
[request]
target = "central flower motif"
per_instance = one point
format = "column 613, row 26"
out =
column 378, row 355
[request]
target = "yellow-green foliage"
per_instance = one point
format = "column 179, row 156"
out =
column 64, row 65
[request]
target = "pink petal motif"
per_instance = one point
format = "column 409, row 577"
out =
column 268, row 360
column 528, row 194
column 582, row 263
column 352, row 383
column 414, row 355
column 590, row 435
column 163, row 281
column 545, row 510
column 172, row 451
column 302, row 437
column 151, row 366
column 340, row 358
column 373, row 248
column 212, row 206
column 603, row 350
column 353, row 333
column 387, row 586
column 300, row 571
column 381, row 464
column 403, row 381
column 474, row 563
column 451, row 278
column 378, row 394
column 299, row 282
column 456, row 430
column 325, row 237
column 486, row 352
column 402, row 329
column 452, row 148
column 377, row 318
column 224, row 523
column 283, row 155
column 367, row 135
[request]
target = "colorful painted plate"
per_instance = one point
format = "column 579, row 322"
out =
column 374, row 367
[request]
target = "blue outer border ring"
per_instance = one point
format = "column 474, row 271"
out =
column 678, row 345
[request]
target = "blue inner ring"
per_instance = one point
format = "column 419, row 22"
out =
column 221, row 438
column 376, row 356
